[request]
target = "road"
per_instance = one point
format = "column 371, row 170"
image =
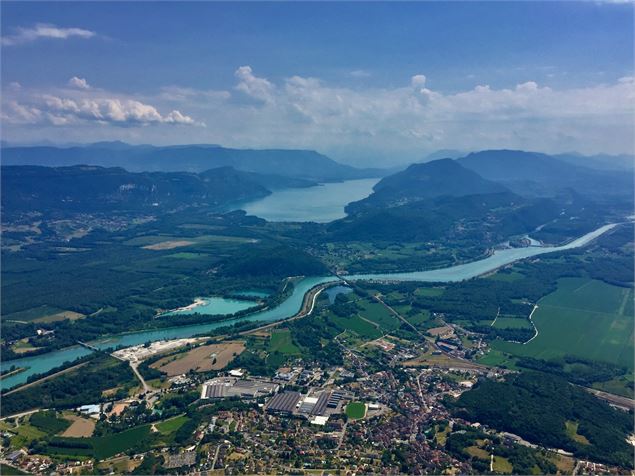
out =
column 308, row 305
column 20, row 415
column 146, row 387
column 617, row 400
column 532, row 323
column 399, row 316
column 44, row 379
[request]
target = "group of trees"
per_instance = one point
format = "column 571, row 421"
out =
column 74, row 388
column 538, row 406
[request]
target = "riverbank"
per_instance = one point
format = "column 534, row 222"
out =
column 294, row 306
column 308, row 305
column 12, row 372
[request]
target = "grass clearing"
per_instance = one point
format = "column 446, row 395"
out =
column 356, row 410
column 496, row 358
column 282, row 342
column 502, row 465
column 572, row 432
column 477, row 452
column 43, row 314
column 429, row 292
column 585, row 318
column 25, row 434
column 173, row 424
column 357, row 325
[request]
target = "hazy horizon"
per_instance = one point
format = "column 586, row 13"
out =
column 379, row 86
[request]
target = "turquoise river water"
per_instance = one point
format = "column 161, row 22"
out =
column 289, row 307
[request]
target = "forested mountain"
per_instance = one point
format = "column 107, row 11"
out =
column 444, row 177
column 302, row 164
column 485, row 217
column 90, row 188
column 536, row 174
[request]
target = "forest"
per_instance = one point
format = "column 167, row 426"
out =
column 537, row 407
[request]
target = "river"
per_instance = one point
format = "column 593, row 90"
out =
column 290, row 306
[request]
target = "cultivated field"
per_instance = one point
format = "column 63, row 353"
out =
column 585, row 318
column 200, row 359
column 43, row 314
column 80, row 428
column 168, row 245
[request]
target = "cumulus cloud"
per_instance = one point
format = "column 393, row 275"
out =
column 387, row 125
column 44, row 31
column 79, row 83
column 81, row 104
column 251, row 85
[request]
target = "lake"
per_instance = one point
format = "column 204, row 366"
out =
column 213, row 306
column 290, row 306
column 321, row 204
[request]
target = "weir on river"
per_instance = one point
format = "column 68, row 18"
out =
column 288, row 308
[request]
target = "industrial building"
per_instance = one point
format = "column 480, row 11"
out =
column 284, row 402
column 227, row 387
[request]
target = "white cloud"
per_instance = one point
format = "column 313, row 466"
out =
column 80, row 104
column 79, row 83
column 176, row 93
column 360, row 73
column 418, row 81
column 257, row 88
column 44, row 31
column 387, row 125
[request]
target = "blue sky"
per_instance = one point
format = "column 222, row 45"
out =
column 372, row 82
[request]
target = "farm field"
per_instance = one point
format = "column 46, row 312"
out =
column 584, row 318
column 43, row 314
column 364, row 329
column 200, row 359
column 80, row 427
column 376, row 312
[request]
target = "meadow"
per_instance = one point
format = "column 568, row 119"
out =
column 584, row 318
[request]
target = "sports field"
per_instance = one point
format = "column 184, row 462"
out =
column 585, row 318
column 356, row 410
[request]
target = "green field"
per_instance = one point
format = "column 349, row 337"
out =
column 282, row 342
column 429, row 292
column 8, row 470
column 103, row 446
column 358, row 325
column 584, row 318
column 169, row 426
column 356, row 410
column 376, row 312
column 49, row 422
column 32, row 314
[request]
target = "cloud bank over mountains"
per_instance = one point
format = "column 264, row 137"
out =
column 384, row 125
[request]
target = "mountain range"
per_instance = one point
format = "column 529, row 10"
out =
column 300, row 164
